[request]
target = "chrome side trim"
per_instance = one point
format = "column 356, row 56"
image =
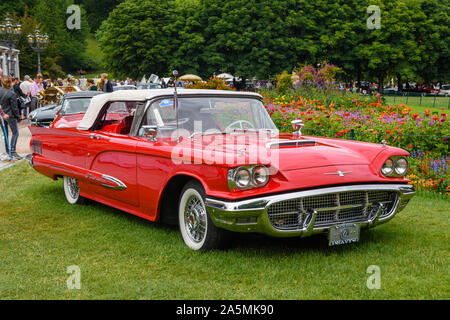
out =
column 119, row 184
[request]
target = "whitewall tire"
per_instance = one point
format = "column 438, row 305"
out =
column 72, row 191
column 196, row 227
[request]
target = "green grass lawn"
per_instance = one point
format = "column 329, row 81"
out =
column 125, row 257
column 419, row 104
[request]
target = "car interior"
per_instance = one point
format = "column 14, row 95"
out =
column 117, row 118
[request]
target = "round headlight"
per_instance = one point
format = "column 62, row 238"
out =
column 260, row 175
column 401, row 165
column 388, row 168
column 242, row 178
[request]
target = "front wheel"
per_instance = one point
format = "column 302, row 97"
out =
column 72, row 191
column 196, row 227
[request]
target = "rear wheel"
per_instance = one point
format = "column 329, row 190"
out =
column 72, row 191
column 196, row 227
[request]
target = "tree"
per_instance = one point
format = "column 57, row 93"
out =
column 434, row 38
column 136, row 39
column 254, row 38
column 66, row 47
column 18, row 7
column 97, row 11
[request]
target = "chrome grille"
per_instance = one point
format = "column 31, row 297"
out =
column 332, row 208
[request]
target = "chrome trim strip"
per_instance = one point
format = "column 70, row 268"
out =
column 226, row 211
column 290, row 143
column 373, row 220
column 120, row 184
column 339, row 173
column 264, row 201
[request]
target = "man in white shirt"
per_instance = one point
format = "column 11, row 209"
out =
column 25, row 86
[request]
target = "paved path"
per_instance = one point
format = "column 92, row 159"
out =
column 23, row 144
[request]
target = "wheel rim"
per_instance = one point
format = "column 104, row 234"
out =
column 195, row 219
column 73, row 187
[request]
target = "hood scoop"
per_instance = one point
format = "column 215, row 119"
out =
column 290, row 143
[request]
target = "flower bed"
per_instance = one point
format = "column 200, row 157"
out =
column 369, row 119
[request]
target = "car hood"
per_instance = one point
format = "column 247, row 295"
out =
column 46, row 112
column 286, row 151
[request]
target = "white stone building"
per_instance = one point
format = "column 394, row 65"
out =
column 4, row 56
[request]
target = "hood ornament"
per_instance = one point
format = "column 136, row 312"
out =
column 297, row 125
column 339, row 173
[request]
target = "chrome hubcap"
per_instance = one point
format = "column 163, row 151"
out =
column 195, row 219
column 74, row 190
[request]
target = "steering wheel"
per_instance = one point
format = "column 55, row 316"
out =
column 240, row 123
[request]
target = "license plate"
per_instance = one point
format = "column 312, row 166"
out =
column 343, row 234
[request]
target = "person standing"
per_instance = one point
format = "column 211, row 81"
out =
column 25, row 87
column 20, row 96
column 91, row 85
column 8, row 101
column 34, row 90
column 4, row 156
column 106, row 84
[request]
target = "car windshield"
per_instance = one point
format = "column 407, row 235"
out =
column 74, row 106
column 209, row 115
column 445, row 87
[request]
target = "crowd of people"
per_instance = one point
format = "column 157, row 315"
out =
column 16, row 100
column 19, row 98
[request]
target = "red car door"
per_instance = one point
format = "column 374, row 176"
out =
column 111, row 161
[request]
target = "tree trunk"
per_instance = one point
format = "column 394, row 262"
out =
column 399, row 83
column 380, row 83
column 358, row 83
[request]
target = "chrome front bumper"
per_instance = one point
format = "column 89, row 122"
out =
column 256, row 215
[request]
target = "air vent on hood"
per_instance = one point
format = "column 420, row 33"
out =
column 290, row 143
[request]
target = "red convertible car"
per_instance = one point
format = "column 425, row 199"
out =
column 213, row 162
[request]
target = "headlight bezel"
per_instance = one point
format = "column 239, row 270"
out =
column 396, row 172
column 233, row 183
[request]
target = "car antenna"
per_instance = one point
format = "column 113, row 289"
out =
column 175, row 101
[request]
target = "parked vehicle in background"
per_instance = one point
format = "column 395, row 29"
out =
column 72, row 109
column 53, row 95
column 124, row 87
column 44, row 116
column 148, row 86
column 390, row 90
column 445, row 90
column 422, row 88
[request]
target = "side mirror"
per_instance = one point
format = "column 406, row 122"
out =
column 149, row 132
column 297, row 125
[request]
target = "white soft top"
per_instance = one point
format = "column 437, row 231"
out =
column 97, row 102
